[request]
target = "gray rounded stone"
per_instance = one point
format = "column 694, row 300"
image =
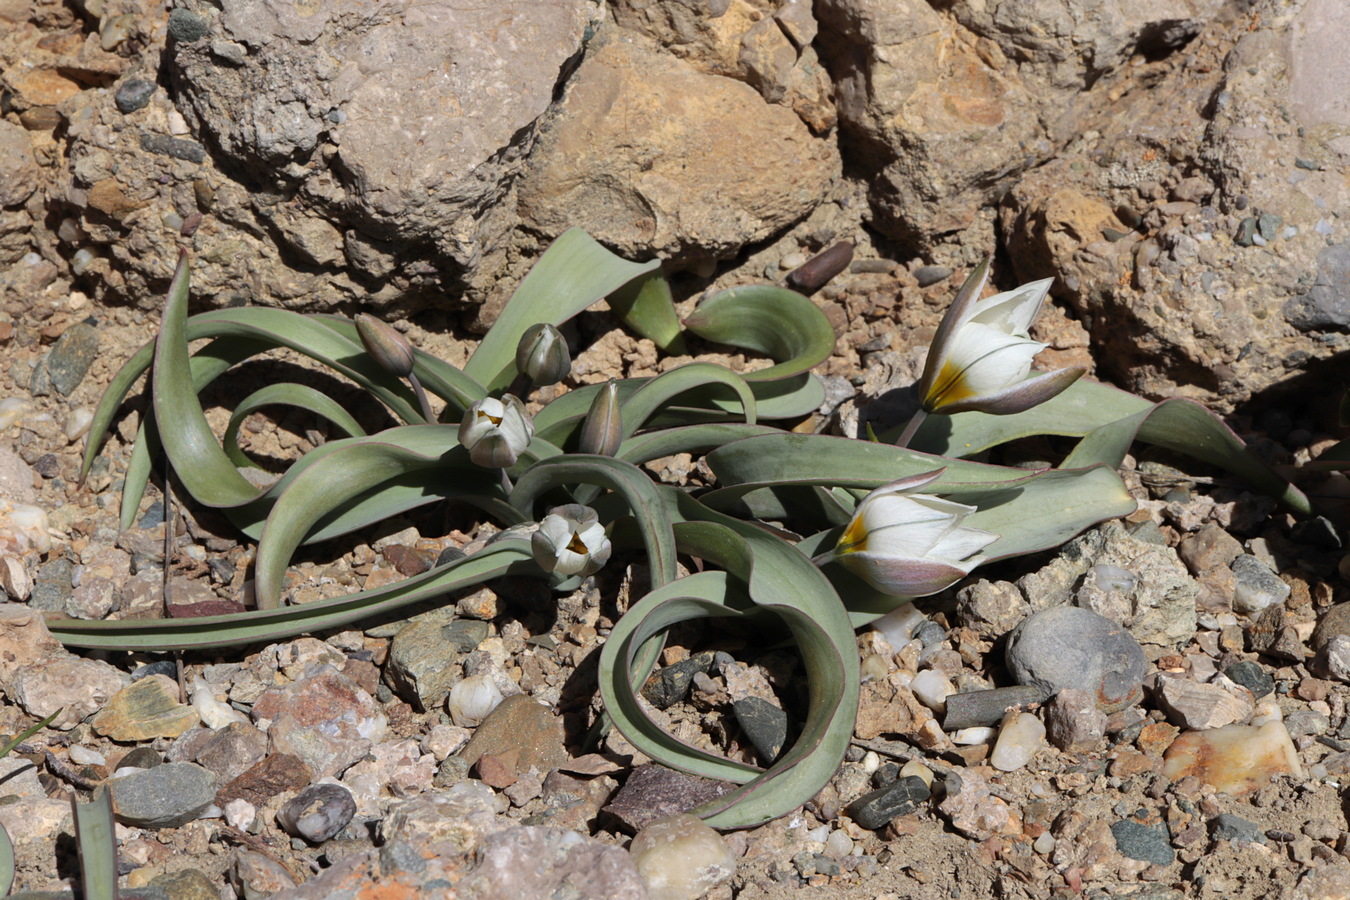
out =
column 318, row 812
column 134, row 94
column 1068, row 647
column 163, row 797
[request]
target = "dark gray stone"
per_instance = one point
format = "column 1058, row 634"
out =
column 1069, row 647
column 140, row 758
column 1318, row 532
column 51, row 585
column 927, row 275
column 163, row 797
column 69, row 360
column 764, row 724
column 134, row 94
column 1246, row 232
column 186, row 26
column 1228, row 827
column 670, row 684
column 421, row 666
column 1251, row 676
column 318, row 812
column 1327, row 304
column 653, row 792
column 1147, row 843
column 465, row 634
column 188, row 151
column 1268, row 226
column 899, row 798
column 974, row 708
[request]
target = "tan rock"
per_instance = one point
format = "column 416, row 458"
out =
column 24, row 641
column 1235, row 759
column 638, row 156
column 1203, row 706
column 680, row 858
column 146, row 709
column 77, row 687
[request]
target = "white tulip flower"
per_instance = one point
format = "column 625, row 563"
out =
column 981, row 355
column 910, row 545
column 496, row 432
column 571, row 541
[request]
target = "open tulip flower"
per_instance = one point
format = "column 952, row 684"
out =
column 910, row 545
column 981, row 355
column 496, row 432
column 570, row 541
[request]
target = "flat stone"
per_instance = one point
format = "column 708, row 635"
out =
column 1228, row 827
column 1236, row 759
column 145, row 709
column 450, row 823
column 1147, row 843
column 522, row 724
column 1257, row 586
column 1198, row 707
column 273, row 775
column 421, row 667
column 325, row 719
column 764, row 724
column 78, row 687
column 653, row 792
column 929, row 275
column 1068, row 647
column 318, row 812
column 71, row 356
column 232, row 751
column 1251, row 676
column 1208, row 548
column 899, row 798
column 680, row 858
column 531, row 861
column 186, row 884
column 163, row 797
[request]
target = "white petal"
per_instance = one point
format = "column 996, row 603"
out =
column 1012, row 311
column 516, row 429
column 491, row 406
column 556, row 529
column 901, row 527
column 570, row 562
column 593, row 536
column 986, row 360
column 960, row 546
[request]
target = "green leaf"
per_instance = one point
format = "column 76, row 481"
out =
column 762, row 574
column 286, row 394
column 6, row 862
column 201, row 464
column 573, row 273
column 645, row 305
column 775, row 321
column 504, row 557
column 1117, row 418
column 655, row 394
column 97, row 841
column 686, row 439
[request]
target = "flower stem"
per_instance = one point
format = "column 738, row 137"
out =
column 913, row 426
column 422, row 400
column 506, row 482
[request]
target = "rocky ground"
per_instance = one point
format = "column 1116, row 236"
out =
column 1178, row 167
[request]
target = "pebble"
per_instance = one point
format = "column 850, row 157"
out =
column 816, row 272
column 1251, row 676
column 232, row 751
column 325, row 719
column 133, row 94
column 240, row 814
column 931, row 688
column 764, row 724
column 422, row 664
column 982, row 708
column 1228, row 827
column 273, row 775
column 1020, row 738
column 1257, row 586
column 318, row 812
column 257, row 877
column 163, row 797
column 1203, row 706
column 973, row 810
column 1333, row 660
column 1335, row 622
column 899, row 798
column 653, row 792
column 670, row 684
column 78, row 687
column 175, row 148
column 187, row 26
column 928, row 275
column 532, row 861
column 186, row 884
column 1068, row 647
column 24, row 528
column 144, row 710
column 1073, row 721
column 68, row 362
column 472, row 700
column 1147, row 843
column 680, row 858
column 1235, row 759
column 523, row 726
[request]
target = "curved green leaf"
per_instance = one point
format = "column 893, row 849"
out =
column 6, row 862
column 286, row 394
column 504, row 557
column 686, row 439
column 771, row 320
column 645, row 305
column 652, row 396
column 574, row 272
column 1111, row 419
column 202, row 466
column 97, row 840
column 337, row 477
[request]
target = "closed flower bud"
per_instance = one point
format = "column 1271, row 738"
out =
column 496, row 432
column 542, row 355
column 910, row 545
column 981, row 356
column 385, row 345
column 602, row 431
column 571, row 541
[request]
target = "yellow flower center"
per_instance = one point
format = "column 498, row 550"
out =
column 576, row 545
column 495, row 420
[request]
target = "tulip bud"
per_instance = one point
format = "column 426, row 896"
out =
column 496, row 432
column 385, row 345
column 542, row 355
column 571, row 541
column 981, row 355
column 910, row 545
column 603, row 430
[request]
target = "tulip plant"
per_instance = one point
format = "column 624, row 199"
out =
column 854, row 536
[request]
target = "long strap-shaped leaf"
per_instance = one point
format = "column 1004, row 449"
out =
column 646, row 306
column 574, row 272
column 97, row 841
column 772, row 320
column 686, row 439
column 779, row 580
column 286, row 393
column 503, row 557
column 1117, row 418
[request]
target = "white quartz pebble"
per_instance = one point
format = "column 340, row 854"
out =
column 1020, row 737
column 932, row 688
column 680, row 858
